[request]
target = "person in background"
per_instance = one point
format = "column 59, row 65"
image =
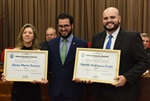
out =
column 26, row 91
column 133, row 59
column 50, row 34
column 146, row 41
column 61, row 66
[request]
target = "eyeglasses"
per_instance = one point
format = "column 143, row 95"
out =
column 65, row 26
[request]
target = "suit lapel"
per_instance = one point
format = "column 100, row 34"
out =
column 102, row 40
column 119, row 39
column 71, row 49
column 118, row 42
column 98, row 42
column 56, row 49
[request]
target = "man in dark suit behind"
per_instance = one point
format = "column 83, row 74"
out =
column 62, row 88
column 146, row 41
column 133, row 60
column 50, row 34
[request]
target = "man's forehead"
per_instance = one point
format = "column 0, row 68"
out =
column 145, row 37
column 50, row 31
column 111, row 12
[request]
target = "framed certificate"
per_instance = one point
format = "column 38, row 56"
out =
column 97, row 65
column 25, row 65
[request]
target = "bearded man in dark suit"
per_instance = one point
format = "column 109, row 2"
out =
column 133, row 59
column 62, row 88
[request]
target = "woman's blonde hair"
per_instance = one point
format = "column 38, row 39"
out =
column 35, row 43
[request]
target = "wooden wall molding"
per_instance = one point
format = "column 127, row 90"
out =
column 1, row 19
column 1, row 31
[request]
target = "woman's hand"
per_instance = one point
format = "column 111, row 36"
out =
column 77, row 80
column 3, row 78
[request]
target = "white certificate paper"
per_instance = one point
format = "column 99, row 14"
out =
column 25, row 65
column 97, row 65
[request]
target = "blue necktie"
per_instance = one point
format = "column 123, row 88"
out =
column 109, row 42
column 63, row 51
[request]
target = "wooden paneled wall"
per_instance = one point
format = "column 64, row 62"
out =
column 1, row 22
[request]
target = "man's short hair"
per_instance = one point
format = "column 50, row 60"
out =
column 145, row 35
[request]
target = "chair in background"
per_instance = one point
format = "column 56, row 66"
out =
column 89, row 44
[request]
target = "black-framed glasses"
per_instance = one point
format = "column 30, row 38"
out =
column 63, row 26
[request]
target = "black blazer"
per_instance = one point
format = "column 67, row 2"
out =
column 44, row 45
column 133, row 60
column 61, row 75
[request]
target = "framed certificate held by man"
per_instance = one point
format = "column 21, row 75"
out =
column 25, row 65
column 97, row 65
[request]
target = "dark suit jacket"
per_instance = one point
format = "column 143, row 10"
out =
column 44, row 45
column 133, row 60
column 148, row 53
column 61, row 75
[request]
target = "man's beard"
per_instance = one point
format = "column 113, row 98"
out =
column 112, row 29
column 65, row 37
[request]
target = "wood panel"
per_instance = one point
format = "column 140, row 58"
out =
column 5, row 91
column 1, row 67
column 1, row 22
column 145, row 89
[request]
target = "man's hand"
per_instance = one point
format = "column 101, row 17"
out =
column 77, row 80
column 43, row 81
column 121, row 81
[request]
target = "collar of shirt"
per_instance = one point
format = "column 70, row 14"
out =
column 113, row 38
column 69, row 39
column 68, row 42
column 113, row 34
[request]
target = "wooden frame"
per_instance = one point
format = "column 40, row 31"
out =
column 97, row 65
column 25, row 65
